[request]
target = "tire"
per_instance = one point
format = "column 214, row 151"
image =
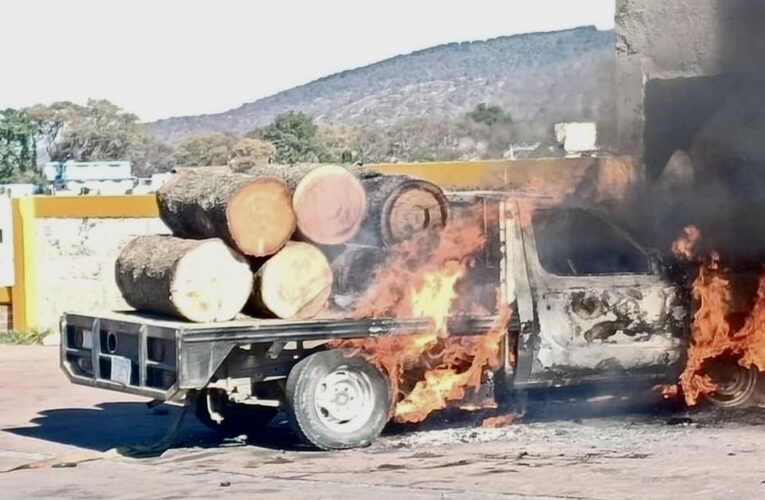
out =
column 737, row 387
column 355, row 415
column 237, row 418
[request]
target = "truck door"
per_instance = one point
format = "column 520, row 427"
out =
column 601, row 308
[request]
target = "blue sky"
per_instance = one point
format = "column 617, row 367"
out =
column 160, row 58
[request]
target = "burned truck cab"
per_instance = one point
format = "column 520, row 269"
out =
column 593, row 305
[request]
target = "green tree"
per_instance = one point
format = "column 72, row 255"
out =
column 205, row 150
column 491, row 129
column 51, row 120
column 296, row 138
column 250, row 152
column 100, row 130
column 409, row 139
column 151, row 157
column 341, row 142
column 17, row 144
column 489, row 115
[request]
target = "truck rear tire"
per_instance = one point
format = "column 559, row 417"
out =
column 737, row 387
column 237, row 418
column 336, row 401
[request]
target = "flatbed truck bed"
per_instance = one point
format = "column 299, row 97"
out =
column 161, row 357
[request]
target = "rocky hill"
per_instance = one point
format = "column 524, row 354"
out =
column 539, row 77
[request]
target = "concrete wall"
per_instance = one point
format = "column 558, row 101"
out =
column 690, row 80
column 75, row 263
column 718, row 43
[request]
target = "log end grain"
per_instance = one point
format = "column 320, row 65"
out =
column 414, row 206
column 260, row 217
column 330, row 204
column 211, row 283
column 295, row 283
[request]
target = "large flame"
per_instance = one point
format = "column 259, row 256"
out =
column 449, row 379
column 751, row 337
column 712, row 333
column 421, row 279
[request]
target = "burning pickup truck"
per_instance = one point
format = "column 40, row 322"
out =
column 513, row 294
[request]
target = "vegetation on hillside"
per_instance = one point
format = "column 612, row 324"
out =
column 102, row 131
column 251, row 152
column 541, row 78
column 481, row 100
column 205, row 150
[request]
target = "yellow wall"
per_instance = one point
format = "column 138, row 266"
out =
column 23, row 295
column 492, row 174
column 77, row 207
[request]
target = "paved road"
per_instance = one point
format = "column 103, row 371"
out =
column 562, row 450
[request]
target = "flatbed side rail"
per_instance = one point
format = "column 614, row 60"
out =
column 328, row 329
column 204, row 349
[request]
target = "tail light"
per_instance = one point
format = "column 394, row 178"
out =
column 157, row 349
column 83, row 339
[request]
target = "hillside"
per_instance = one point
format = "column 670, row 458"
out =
column 539, row 77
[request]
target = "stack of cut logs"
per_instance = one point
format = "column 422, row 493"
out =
column 261, row 243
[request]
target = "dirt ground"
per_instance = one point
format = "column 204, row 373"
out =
column 563, row 448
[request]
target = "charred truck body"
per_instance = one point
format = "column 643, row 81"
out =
column 589, row 304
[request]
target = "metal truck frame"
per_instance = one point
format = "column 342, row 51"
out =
column 593, row 306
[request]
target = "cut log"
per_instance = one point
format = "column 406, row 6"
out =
column 198, row 280
column 353, row 271
column 295, row 283
column 329, row 201
column 253, row 215
column 399, row 208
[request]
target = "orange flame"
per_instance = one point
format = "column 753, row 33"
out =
column 712, row 335
column 434, row 294
column 501, row 420
column 427, row 371
column 686, row 245
column 446, row 382
column 751, row 337
column 710, row 332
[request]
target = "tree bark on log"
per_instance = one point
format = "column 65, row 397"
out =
column 293, row 284
column 329, row 201
column 399, row 208
column 198, row 280
column 253, row 215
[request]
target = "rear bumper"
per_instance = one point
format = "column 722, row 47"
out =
column 92, row 349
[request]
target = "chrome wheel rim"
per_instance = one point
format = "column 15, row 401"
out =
column 344, row 400
column 734, row 384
